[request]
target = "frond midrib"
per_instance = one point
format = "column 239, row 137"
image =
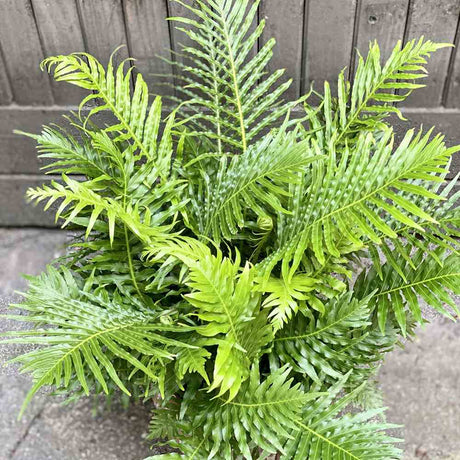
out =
column 234, row 78
column 416, row 283
column 317, row 331
column 268, row 403
column 323, row 438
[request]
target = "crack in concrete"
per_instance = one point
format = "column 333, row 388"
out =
column 24, row 435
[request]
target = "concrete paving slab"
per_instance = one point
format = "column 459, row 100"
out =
column 421, row 384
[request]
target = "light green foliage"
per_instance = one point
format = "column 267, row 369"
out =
column 215, row 246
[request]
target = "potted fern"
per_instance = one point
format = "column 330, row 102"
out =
column 213, row 270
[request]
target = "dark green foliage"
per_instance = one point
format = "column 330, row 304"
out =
column 212, row 267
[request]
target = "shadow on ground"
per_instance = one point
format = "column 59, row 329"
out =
column 421, row 385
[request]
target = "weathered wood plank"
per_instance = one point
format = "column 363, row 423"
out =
column 14, row 210
column 6, row 96
column 104, row 29
column 287, row 28
column 438, row 22
column 23, row 53
column 148, row 34
column 17, row 153
column 452, row 92
column 329, row 41
column 381, row 20
column 60, row 30
column 179, row 39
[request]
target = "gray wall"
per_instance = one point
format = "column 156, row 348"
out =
column 316, row 39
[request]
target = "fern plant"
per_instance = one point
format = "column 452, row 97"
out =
column 212, row 274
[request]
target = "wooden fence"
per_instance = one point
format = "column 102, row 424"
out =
column 316, row 39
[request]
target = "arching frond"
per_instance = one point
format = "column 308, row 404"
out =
column 408, row 275
column 136, row 122
column 84, row 200
column 352, row 198
column 82, row 327
column 328, row 347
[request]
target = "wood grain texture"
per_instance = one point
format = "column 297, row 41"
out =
column 6, row 96
column 452, row 92
column 60, row 30
column 14, row 209
column 104, row 28
column 23, row 53
column 329, row 41
column 438, row 22
column 381, row 20
column 179, row 39
column 18, row 153
column 148, row 34
column 286, row 24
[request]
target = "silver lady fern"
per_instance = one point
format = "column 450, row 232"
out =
column 216, row 243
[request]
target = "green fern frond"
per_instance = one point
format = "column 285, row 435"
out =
column 212, row 272
column 83, row 325
column 327, row 347
column 286, row 296
column 84, row 200
column 371, row 97
column 265, row 411
column 223, row 78
column 137, row 123
column 353, row 198
column 408, row 276
column 325, row 435
column 222, row 293
column 256, row 182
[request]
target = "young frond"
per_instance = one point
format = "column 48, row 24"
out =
column 225, row 88
column 136, row 122
column 371, row 97
column 222, row 293
column 287, row 295
column 84, row 328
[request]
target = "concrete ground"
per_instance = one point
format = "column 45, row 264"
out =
column 421, row 385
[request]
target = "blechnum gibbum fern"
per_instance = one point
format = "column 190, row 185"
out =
column 218, row 242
